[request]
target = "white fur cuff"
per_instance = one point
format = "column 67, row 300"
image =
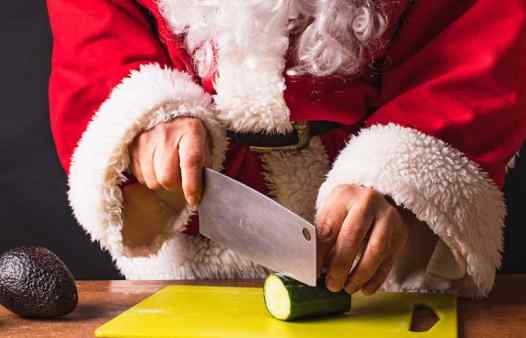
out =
column 439, row 184
column 146, row 97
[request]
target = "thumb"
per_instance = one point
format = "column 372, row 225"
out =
column 192, row 160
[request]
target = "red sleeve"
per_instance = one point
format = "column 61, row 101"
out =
column 452, row 114
column 95, row 45
column 464, row 82
column 112, row 79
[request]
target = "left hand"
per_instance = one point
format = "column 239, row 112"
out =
column 353, row 218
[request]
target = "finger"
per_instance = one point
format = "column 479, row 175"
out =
column 135, row 152
column 329, row 224
column 375, row 252
column 385, row 268
column 191, row 150
column 136, row 167
column 353, row 231
column 148, row 170
column 380, row 276
column 166, row 163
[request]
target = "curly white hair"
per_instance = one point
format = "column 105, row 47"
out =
column 331, row 36
column 336, row 36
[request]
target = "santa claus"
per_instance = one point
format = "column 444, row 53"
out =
column 387, row 123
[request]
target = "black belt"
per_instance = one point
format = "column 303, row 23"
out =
column 296, row 139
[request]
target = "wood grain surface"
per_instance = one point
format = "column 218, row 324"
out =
column 502, row 315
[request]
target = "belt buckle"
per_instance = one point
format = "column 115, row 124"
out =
column 303, row 130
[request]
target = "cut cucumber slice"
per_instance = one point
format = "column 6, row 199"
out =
column 288, row 299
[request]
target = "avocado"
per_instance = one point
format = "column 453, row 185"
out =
column 35, row 283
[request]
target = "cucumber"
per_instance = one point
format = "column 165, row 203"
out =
column 288, row 299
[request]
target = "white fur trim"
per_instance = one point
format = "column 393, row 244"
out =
column 294, row 177
column 190, row 257
column 145, row 98
column 441, row 186
column 251, row 39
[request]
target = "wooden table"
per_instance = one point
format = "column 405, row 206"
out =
column 502, row 315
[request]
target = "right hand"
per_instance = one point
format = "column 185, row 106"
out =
column 171, row 157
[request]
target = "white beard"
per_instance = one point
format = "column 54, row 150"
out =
column 248, row 39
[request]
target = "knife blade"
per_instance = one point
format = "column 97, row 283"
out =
column 257, row 227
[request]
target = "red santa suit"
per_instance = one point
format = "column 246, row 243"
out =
column 436, row 135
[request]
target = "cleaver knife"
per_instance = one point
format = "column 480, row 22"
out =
column 255, row 226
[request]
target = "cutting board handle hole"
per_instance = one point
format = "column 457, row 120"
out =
column 423, row 318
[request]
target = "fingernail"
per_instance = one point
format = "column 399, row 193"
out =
column 332, row 284
column 350, row 289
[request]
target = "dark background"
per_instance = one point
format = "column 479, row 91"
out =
column 33, row 206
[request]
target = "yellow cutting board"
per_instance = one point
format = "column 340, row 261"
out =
column 228, row 312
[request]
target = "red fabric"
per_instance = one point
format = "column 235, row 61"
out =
column 456, row 73
column 95, row 45
column 465, row 80
column 245, row 166
column 328, row 99
column 334, row 140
